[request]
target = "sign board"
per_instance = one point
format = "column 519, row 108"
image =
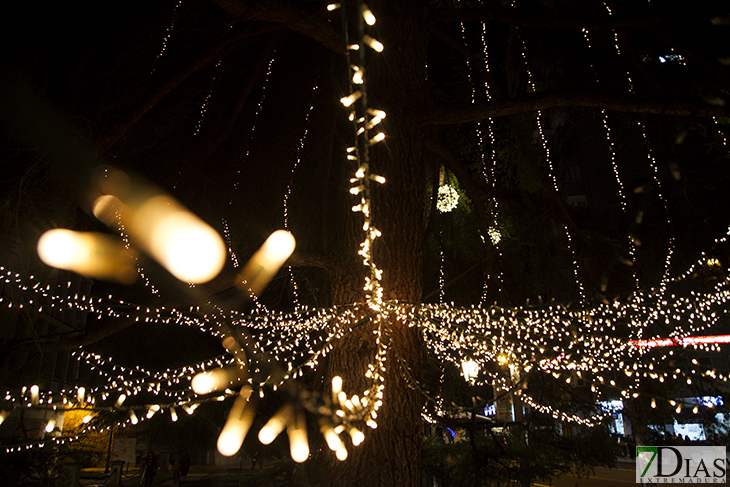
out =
column 125, row 449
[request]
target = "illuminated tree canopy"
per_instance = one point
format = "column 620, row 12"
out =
column 535, row 189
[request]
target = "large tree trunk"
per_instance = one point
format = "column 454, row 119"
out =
column 390, row 455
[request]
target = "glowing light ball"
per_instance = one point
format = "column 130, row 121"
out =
column 183, row 243
column 470, row 369
column 298, row 444
column 120, row 400
column 333, row 440
column 448, row 199
column 258, row 271
column 357, row 436
column 275, row 425
column 203, row 383
column 90, row 254
column 214, row 380
column 237, row 425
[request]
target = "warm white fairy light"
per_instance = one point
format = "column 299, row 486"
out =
column 298, row 443
column 368, row 16
column 237, row 425
column 534, row 340
column 470, row 370
column 168, row 33
column 374, row 44
column 448, row 199
column 227, row 237
column 551, row 171
column 516, row 333
column 287, row 194
column 257, row 273
column 204, row 106
column 259, row 108
column 494, row 235
column 441, row 275
column 90, row 254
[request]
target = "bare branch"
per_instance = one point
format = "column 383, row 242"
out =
column 217, row 51
column 617, row 102
column 303, row 20
column 561, row 21
column 93, row 336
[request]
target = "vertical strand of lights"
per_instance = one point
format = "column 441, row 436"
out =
column 480, row 137
column 227, row 237
column 237, row 178
column 614, row 164
column 721, row 134
column 486, row 168
column 618, row 49
column 551, row 171
column 364, row 120
column 168, row 33
column 653, row 164
column 287, row 194
column 657, row 180
column 621, row 190
column 441, row 273
column 489, row 173
column 204, row 105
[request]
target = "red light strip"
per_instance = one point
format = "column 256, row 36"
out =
column 680, row 342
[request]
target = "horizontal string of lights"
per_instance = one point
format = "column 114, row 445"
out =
column 524, row 333
column 48, row 442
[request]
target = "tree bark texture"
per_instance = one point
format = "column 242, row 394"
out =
column 396, row 78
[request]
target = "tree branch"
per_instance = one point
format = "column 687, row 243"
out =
column 217, row 51
column 303, row 20
column 617, row 102
column 561, row 21
column 93, row 336
column 223, row 133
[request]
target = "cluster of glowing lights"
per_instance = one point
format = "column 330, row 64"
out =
column 533, row 339
column 168, row 33
column 180, row 241
column 204, row 106
column 549, row 339
column 448, row 199
column 90, row 254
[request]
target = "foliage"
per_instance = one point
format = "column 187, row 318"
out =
column 35, row 467
column 523, row 454
column 91, row 449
